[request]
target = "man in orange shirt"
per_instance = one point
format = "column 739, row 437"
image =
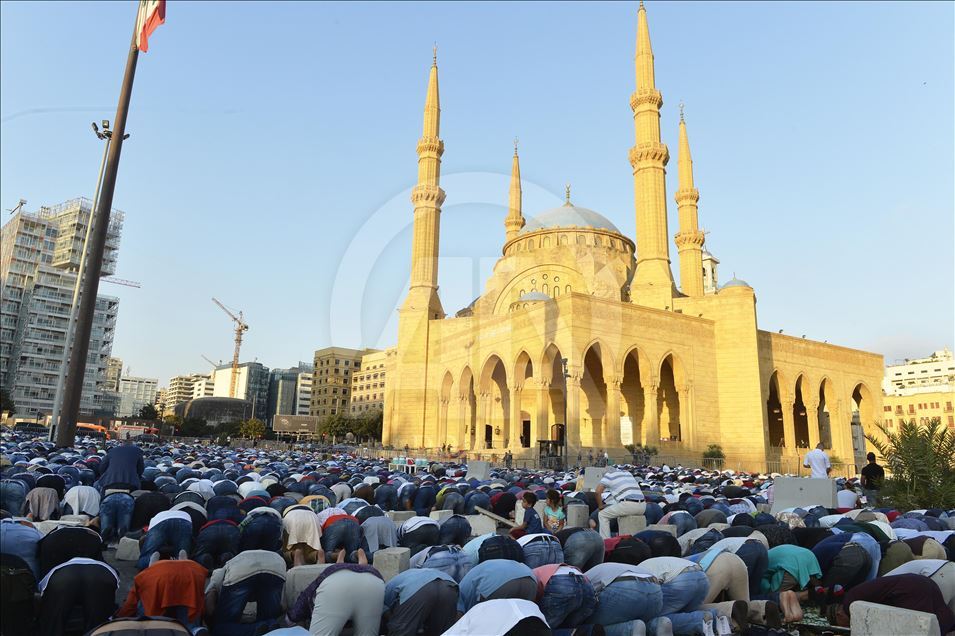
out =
column 172, row 588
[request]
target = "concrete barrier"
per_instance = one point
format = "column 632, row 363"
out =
column 297, row 579
column 441, row 515
column 578, row 517
column 481, row 524
column 592, row 477
column 632, row 524
column 478, row 470
column 795, row 492
column 519, row 511
column 127, row 550
column 665, row 527
column 391, row 562
column 872, row 619
column 400, row 516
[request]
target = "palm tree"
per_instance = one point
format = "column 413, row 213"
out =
column 921, row 461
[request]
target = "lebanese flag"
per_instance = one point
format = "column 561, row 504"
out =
column 152, row 13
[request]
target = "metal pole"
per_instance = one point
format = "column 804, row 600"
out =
column 563, row 362
column 71, row 322
column 76, row 369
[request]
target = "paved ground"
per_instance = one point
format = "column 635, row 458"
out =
column 127, row 571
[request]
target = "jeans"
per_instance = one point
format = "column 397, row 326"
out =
column 685, row 592
column 216, row 544
column 170, row 536
column 262, row 532
column 223, row 507
column 12, row 495
column 115, row 515
column 628, row 600
column 569, row 599
column 386, row 497
column 456, row 530
column 454, row 563
column 420, row 538
column 872, row 498
column 543, row 552
column 343, row 533
column 476, row 499
column 424, row 500
column 584, row 550
column 453, row 501
column 756, row 558
column 263, row 588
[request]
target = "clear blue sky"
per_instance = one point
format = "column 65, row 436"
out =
column 272, row 152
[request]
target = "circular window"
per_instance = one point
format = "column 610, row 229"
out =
column 544, row 276
column 556, row 279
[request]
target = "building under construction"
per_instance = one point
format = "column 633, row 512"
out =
column 39, row 259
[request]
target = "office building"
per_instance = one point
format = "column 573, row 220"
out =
column 252, row 384
column 332, row 379
column 134, row 393
column 368, row 384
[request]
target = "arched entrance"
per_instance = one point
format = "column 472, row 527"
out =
column 862, row 417
column 593, row 407
column 800, row 417
column 552, row 405
column 468, row 410
column 823, row 412
column 634, row 401
column 668, row 401
column 526, row 401
column 495, row 404
column 774, row 414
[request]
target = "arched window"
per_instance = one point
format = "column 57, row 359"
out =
column 545, row 288
column 556, row 291
column 567, row 289
column 546, row 242
column 581, row 239
column 563, row 239
column 530, row 244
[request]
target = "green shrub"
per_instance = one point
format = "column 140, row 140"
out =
column 713, row 456
column 921, row 460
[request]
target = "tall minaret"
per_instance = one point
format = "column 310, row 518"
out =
column 427, row 197
column 515, row 220
column 689, row 240
column 653, row 282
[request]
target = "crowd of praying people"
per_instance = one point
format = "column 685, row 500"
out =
column 248, row 541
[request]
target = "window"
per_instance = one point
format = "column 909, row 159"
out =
column 887, row 408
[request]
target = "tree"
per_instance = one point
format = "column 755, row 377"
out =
column 369, row 425
column 6, row 404
column 921, row 461
column 337, row 425
column 193, row 427
column 713, row 456
column 252, row 429
column 148, row 412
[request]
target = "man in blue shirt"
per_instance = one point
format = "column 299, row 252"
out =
column 496, row 578
column 21, row 540
column 420, row 598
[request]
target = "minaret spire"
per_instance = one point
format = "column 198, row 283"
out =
column 427, row 197
column 515, row 219
column 653, row 281
column 689, row 240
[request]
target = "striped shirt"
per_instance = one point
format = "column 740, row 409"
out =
column 622, row 486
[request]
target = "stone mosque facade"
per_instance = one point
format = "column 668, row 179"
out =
column 583, row 326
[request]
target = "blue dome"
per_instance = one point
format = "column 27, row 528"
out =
column 569, row 215
column 735, row 282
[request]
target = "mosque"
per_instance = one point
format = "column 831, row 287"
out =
column 581, row 332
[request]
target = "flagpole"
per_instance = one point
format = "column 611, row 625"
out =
column 76, row 369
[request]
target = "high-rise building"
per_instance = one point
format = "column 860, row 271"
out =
column 114, row 371
column 290, row 391
column 183, row 388
column 332, row 379
column 134, row 393
column 252, row 384
column 920, row 390
column 368, row 384
column 160, row 400
column 39, row 258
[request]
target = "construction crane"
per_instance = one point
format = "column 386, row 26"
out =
column 240, row 328
column 215, row 365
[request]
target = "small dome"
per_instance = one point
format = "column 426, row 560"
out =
column 735, row 282
column 532, row 296
column 569, row 215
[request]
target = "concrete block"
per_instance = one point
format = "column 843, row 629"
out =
column 478, row 470
column 297, row 579
column 662, row 528
column 400, row 516
column 592, row 477
column 763, row 507
column 441, row 515
column 48, row 526
column 519, row 511
column 796, row 492
column 872, row 619
column 392, row 561
column 632, row 524
column 481, row 524
column 127, row 550
column 578, row 517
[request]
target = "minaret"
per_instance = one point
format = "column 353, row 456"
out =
column 689, row 240
column 427, row 197
column 653, row 282
column 515, row 220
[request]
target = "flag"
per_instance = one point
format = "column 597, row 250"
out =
column 152, row 13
